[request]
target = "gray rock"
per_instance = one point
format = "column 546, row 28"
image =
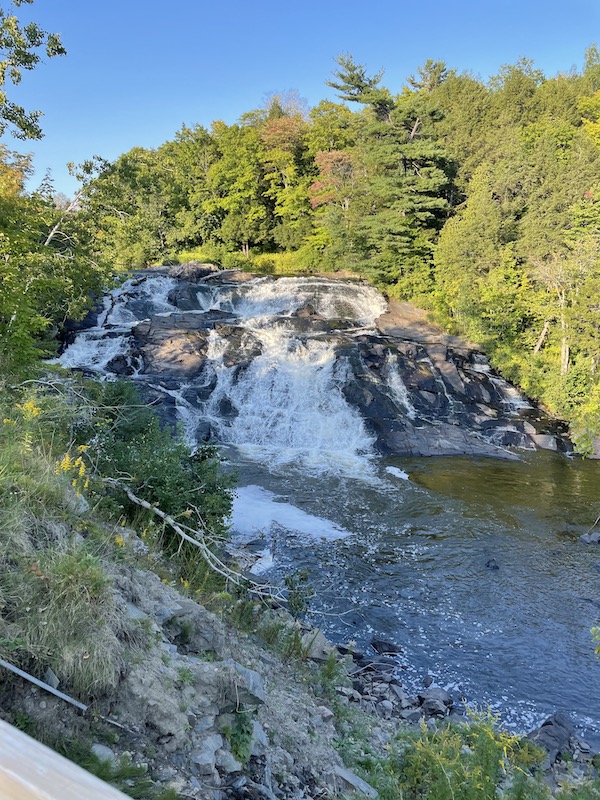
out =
column 206, row 755
column 435, row 693
column 398, row 693
column 249, row 687
column 386, row 707
column 554, row 735
column 104, row 753
column 382, row 647
column 545, row 441
column 325, row 713
column 348, row 781
column 316, row 646
column 259, row 743
column 590, row 538
column 434, row 708
column 411, row 714
column 226, row 762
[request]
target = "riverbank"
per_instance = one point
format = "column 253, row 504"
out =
column 224, row 698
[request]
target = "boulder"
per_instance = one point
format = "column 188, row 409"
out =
column 347, row 781
column 554, row 736
column 192, row 271
column 385, row 648
column 205, row 756
column 435, row 694
column 316, row 646
column 247, row 685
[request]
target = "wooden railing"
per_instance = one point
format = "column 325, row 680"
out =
column 31, row 771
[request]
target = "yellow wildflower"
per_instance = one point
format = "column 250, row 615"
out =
column 29, row 409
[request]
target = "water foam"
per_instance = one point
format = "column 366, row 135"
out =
column 256, row 510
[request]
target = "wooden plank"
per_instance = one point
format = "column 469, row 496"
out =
column 31, row 771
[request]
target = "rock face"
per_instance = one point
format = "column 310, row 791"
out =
column 419, row 390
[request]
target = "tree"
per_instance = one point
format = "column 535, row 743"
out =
column 21, row 48
column 431, row 75
column 237, row 188
column 354, row 85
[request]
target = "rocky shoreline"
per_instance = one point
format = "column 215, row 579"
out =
column 208, row 712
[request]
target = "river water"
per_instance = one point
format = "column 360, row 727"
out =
column 473, row 566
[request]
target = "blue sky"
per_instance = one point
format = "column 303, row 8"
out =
column 137, row 69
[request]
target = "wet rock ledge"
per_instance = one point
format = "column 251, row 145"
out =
column 420, row 391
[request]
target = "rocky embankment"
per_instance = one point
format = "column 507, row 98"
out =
column 420, row 391
column 210, row 713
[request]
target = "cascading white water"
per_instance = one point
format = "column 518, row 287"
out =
column 123, row 307
column 289, row 408
column 330, row 299
column 408, row 555
column 398, row 388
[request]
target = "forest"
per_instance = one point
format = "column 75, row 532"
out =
column 476, row 200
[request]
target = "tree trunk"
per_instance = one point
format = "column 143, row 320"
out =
column 540, row 341
column 565, row 350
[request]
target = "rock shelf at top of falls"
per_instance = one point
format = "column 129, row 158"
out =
column 264, row 362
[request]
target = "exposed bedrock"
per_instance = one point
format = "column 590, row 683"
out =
column 419, row 390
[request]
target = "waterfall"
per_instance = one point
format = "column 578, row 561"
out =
column 288, row 408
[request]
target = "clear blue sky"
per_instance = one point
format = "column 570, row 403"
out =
column 137, row 69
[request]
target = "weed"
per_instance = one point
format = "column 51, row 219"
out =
column 299, row 592
column 240, row 735
column 186, row 676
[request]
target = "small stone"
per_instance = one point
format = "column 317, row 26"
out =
column 436, row 693
column 427, row 681
column 103, row 753
column 205, row 757
column 382, row 647
column 434, row 708
column 316, row 646
column 398, row 693
column 43, row 704
column 411, row 715
column 250, row 690
column 590, row 538
column 386, row 707
column 227, row 763
column 325, row 713
column 259, row 743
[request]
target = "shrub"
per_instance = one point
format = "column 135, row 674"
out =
column 132, row 445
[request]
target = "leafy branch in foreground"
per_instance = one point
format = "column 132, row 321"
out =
column 21, row 48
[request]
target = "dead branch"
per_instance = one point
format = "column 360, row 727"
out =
column 197, row 539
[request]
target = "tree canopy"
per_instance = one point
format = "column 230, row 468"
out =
column 476, row 199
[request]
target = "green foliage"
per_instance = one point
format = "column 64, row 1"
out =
column 22, row 47
column 240, row 735
column 299, row 592
column 471, row 761
column 477, row 201
column 129, row 778
column 67, row 617
column 132, row 445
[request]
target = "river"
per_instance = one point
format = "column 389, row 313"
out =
column 472, row 566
